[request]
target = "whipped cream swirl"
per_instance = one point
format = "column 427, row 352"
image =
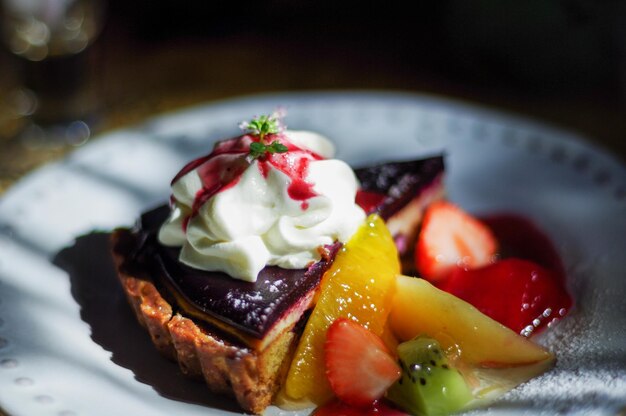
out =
column 233, row 215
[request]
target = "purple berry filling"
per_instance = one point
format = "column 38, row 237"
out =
column 251, row 307
column 399, row 182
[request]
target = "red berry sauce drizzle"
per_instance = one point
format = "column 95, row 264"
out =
column 223, row 167
column 369, row 200
column 525, row 288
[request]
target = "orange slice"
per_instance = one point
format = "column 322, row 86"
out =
column 359, row 286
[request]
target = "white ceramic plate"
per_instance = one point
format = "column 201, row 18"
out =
column 70, row 346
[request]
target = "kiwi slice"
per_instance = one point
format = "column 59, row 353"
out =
column 428, row 385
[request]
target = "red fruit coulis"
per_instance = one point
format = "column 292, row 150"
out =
column 525, row 288
column 369, row 200
column 519, row 237
column 223, row 167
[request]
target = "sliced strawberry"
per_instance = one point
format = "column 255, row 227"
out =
column 451, row 237
column 359, row 366
column 339, row 408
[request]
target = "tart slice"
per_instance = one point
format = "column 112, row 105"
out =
column 233, row 327
column 235, row 335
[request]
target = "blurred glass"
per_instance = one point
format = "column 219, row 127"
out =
column 54, row 96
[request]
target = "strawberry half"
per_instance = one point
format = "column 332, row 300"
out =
column 451, row 237
column 359, row 366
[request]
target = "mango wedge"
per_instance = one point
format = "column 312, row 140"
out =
column 419, row 308
column 493, row 358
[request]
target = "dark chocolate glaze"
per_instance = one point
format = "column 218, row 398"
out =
column 399, row 181
column 251, row 307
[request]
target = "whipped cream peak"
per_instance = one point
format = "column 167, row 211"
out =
column 235, row 214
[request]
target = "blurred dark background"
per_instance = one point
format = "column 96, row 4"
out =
column 560, row 61
column 534, row 46
column 543, row 46
column 503, row 53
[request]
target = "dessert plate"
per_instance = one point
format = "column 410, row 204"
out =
column 69, row 344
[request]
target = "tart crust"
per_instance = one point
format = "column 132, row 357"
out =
column 251, row 376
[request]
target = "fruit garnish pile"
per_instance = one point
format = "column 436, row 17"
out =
column 456, row 337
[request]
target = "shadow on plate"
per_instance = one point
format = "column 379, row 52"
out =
column 95, row 288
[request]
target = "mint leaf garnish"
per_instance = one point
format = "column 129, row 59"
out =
column 261, row 127
column 258, row 149
column 264, row 125
column 277, row 147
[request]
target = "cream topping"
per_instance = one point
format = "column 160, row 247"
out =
column 277, row 210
